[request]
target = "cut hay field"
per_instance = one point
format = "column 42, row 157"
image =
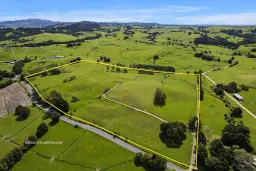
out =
column 11, row 97
column 89, row 85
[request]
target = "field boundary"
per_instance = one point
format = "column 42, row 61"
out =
column 112, row 133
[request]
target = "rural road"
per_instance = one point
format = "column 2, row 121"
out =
column 98, row 131
column 134, row 108
column 232, row 98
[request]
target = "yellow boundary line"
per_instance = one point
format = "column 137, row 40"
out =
column 108, row 131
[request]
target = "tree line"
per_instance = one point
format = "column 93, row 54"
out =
column 51, row 42
column 153, row 67
column 217, row 41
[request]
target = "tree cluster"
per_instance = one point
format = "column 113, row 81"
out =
column 239, row 135
column 204, row 56
column 249, row 55
column 75, row 59
column 14, row 156
column 56, row 99
column 22, row 112
column 104, row 59
column 150, row 162
column 217, row 41
column 230, row 88
column 6, row 74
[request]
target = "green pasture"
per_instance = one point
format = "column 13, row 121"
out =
column 91, row 81
column 181, row 92
column 7, row 123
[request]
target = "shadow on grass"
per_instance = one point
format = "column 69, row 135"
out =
column 173, row 143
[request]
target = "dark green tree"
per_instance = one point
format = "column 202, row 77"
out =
column 173, row 133
column 192, row 124
column 22, row 112
column 215, row 146
column 202, row 153
column 41, row 130
column 216, row 164
column 237, row 112
column 159, row 98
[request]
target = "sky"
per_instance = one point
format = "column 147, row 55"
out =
column 216, row 12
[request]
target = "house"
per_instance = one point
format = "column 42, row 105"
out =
column 238, row 97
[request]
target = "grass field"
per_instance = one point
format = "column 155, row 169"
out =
column 78, row 146
column 5, row 54
column 91, row 81
column 180, row 91
column 214, row 109
column 7, row 129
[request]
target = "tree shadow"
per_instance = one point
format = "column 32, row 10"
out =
column 52, row 123
column 173, row 143
column 20, row 119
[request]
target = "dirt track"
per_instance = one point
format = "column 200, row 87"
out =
column 11, row 97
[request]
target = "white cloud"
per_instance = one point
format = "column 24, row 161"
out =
column 223, row 19
column 120, row 15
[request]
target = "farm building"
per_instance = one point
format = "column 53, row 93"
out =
column 238, row 97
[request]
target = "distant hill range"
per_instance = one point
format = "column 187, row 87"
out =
column 45, row 23
column 27, row 23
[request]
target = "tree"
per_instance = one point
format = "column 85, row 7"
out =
column 22, row 112
column 55, row 71
column 107, row 67
column 118, row 69
column 192, row 124
column 216, row 164
column 159, row 98
column 155, row 57
column 55, row 117
column 230, row 61
column 237, row 112
column 226, row 154
column 125, row 70
column 215, row 146
column 30, row 142
column 41, row 130
column 44, row 74
column 74, row 99
column 173, row 133
column 202, row 153
column 126, row 37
